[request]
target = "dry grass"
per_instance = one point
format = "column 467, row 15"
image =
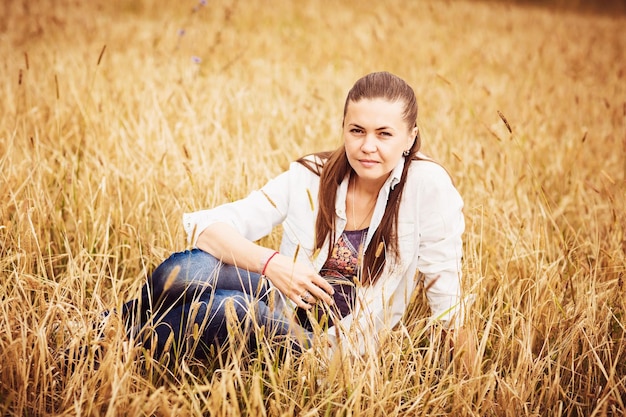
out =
column 112, row 123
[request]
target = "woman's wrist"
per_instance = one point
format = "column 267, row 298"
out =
column 265, row 260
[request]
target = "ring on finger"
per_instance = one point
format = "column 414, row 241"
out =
column 307, row 297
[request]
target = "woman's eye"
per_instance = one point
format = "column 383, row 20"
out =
column 356, row 131
column 387, row 134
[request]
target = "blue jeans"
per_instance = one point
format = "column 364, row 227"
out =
column 193, row 289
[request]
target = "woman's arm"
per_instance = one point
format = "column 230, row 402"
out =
column 228, row 232
column 291, row 278
column 440, row 261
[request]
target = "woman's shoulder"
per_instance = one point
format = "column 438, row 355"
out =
column 305, row 169
column 312, row 162
column 425, row 168
column 433, row 183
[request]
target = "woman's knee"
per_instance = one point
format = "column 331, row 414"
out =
column 183, row 268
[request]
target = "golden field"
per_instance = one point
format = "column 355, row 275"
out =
column 117, row 117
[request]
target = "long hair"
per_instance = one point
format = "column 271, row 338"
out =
column 333, row 166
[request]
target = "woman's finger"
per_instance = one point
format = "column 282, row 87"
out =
column 323, row 284
column 308, row 298
column 304, row 300
column 320, row 294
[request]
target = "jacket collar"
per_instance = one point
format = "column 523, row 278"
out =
column 395, row 176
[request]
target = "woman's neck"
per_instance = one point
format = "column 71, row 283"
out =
column 361, row 202
column 366, row 188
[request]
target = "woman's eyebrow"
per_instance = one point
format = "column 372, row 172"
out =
column 378, row 128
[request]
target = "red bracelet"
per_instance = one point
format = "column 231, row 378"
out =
column 268, row 261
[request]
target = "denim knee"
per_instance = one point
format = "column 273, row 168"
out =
column 192, row 272
column 182, row 274
column 189, row 265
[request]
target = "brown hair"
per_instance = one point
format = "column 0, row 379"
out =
column 333, row 166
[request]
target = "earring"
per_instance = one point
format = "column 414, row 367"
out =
column 406, row 153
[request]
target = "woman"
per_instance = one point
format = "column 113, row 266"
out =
column 358, row 225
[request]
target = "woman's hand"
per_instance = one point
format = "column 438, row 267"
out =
column 298, row 282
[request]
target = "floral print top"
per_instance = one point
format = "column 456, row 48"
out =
column 341, row 270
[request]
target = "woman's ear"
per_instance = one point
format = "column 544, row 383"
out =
column 412, row 137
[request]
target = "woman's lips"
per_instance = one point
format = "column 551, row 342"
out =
column 368, row 163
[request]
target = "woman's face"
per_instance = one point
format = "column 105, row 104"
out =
column 375, row 135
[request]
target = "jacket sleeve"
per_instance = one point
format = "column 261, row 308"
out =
column 253, row 216
column 441, row 223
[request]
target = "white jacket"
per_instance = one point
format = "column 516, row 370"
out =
column 430, row 225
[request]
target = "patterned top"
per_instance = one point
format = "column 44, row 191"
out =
column 341, row 270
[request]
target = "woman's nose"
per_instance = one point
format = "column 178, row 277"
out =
column 369, row 143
